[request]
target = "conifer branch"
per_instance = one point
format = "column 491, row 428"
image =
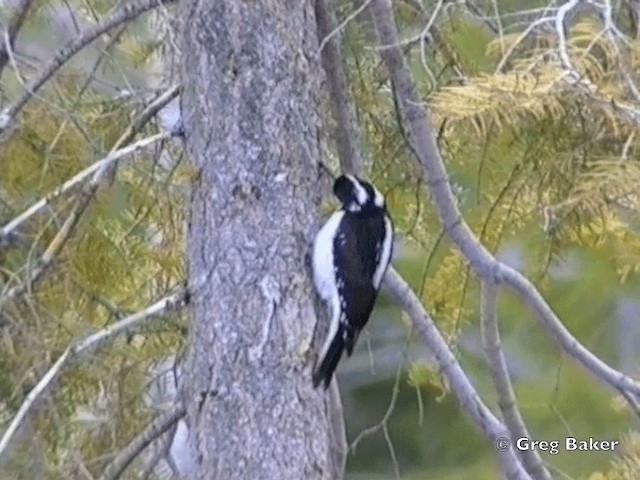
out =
column 101, row 169
column 123, row 15
column 85, row 347
column 483, row 263
column 79, row 177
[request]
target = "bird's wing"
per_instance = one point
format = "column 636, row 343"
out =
column 356, row 253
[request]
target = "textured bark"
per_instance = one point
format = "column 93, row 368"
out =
column 250, row 111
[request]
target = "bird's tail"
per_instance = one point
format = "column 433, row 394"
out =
column 327, row 363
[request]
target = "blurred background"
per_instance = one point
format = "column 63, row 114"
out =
column 543, row 158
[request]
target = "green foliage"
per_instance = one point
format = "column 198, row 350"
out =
column 540, row 167
column 46, row 152
column 467, row 42
column 423, row 376
column 125, row 252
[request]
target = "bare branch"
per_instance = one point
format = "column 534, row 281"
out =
column 336, row 30
column 125, row 14
column 498, row 18
column 556, row 329
column 462, row 388
column 154, row 430
column 578, row 79
column 141, row 120
column 383, row 424
column 160, row 451
column 12, row 29
column 100, row 165
column 87, row 346
column 147, row 114
column 483, row 263
column 562, row 40
column 348, row 138
column 500, row 374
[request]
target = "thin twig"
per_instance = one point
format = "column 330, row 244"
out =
column 497, row 365
column 140, row 121
column 334, row 31
column 498, row 18
column 85, row 347
column 154, row 430
column 562, row 39
column 527, row 31
column 455, row 376
column 383, row 425
column 147, row 114
column 113, row 157
column 12, row 29
column 125, row 14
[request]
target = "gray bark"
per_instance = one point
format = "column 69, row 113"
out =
column 250, row 109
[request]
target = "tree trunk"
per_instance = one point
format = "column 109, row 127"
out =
column 250, row 109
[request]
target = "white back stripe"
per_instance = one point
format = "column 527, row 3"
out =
column 385, row 256
column 323, row 274
column 378, row 199
column 324, row 277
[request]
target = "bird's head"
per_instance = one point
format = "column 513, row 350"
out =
column 357, row 195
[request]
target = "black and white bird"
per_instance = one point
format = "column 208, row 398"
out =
column 351, row 253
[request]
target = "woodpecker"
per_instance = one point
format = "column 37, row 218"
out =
column 351, row 253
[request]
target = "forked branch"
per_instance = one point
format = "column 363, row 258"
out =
column 483, row 263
